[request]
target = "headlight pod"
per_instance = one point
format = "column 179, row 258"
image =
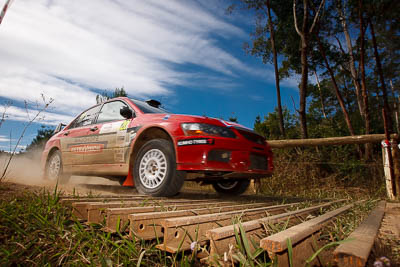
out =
column 203, row 129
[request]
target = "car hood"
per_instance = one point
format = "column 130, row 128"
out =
column 193, row 118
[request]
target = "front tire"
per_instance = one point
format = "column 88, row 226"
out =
column 54, row 169
column 155, row 171
column 231, row 187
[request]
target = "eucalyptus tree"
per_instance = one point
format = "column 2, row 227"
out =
column 264, row 44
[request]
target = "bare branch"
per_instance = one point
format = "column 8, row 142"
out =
column 317, row 16
column 4, row 114
column 320, row 94
column 295, row 19
column 294, row 105
column 340, row 45
column 46, row 105
column 346, row 69
column 26, row 109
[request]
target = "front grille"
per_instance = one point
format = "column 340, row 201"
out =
column 258, row 162
column 219, row 155
column 251, row 136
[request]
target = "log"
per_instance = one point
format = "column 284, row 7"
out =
column 303, row 236
column 344, row 140
column 356, row 251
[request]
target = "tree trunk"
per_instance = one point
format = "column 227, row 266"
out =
column 380, row 73
column 320, row 95
column 354, row 73
column 337, row 91
column 304, row 34
column 368, row 148
column 275, row 59
column 304, row 67
column 303, row 87
column 395, row 106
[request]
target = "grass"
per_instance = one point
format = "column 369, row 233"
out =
column 304, row 173
column 36, row 230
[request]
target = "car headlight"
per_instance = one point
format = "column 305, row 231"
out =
column 202, row 129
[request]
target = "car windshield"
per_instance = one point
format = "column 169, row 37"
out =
column 146, row 108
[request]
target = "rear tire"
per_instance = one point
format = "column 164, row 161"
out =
column 54, row 169
column 231, row 187
column 155, row 171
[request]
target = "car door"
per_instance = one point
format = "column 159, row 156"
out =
column 75, row 142
column 111, row 130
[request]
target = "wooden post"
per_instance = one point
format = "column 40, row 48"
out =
column 396, row 166
column 388, row 163
column 330, row 141
column 386, row 168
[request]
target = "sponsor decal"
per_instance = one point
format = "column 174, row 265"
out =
column 113, row 127
column 119, row 155
column 197, row 141
column 166, row 117
column 87, row 139
column 132, row 133
column 124, row 125
column 120, row 138
column 87, row 148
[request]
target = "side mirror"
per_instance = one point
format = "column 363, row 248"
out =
column 59, row 127
column 126, row 112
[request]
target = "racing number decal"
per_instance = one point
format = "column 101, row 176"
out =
column 121, row 142
column 124, row 125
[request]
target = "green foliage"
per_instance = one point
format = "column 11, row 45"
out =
column 233, row 119
column 43, row 135
column 245, row 255
column 330, row 32
column 269, row 128
column 118, row 92
column 313, row 172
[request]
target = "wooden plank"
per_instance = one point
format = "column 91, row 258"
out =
column 67, row 201
column 278, row 242
column 81, row 209
column 119, row 216
column 301, row 237
column 179, row 233
column 344, row 140
column 96, row 211
column 300, row 253
column 223, row 239
column 356, row 251
column 148, row 225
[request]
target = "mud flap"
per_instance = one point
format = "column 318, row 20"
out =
column 129, row 180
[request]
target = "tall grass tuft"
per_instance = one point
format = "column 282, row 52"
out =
column 35, row 229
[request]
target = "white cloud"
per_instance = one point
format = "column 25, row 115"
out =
column 291, row 82
column 48, row 118
column 4, row 138
column 256, row 98
column 62, row 48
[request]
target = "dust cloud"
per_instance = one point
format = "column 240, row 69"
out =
column 25, row 168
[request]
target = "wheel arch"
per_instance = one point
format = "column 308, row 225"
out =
column 145, row 136
column 51, row 151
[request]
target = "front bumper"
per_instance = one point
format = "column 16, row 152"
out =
column 231, row 157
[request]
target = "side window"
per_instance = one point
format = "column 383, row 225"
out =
column 86, row 118
column 110, row 112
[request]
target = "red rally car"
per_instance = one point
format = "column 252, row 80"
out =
column 138, row 143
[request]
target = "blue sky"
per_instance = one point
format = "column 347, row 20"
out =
column 187, row 54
